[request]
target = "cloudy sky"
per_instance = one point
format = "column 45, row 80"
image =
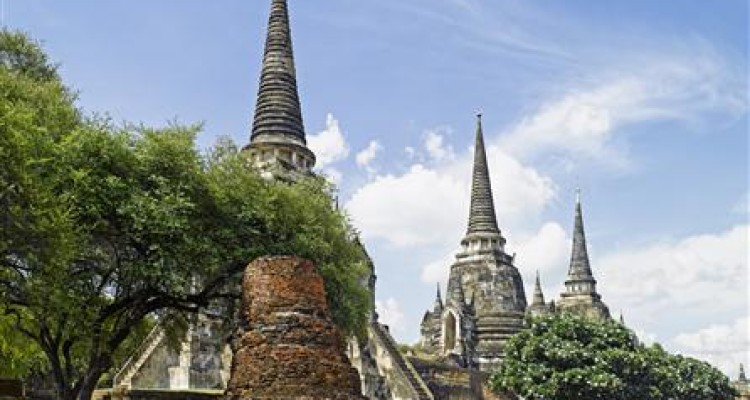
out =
column 642, row 104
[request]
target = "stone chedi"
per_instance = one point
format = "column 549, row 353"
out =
column 288, row 347
column 278, row 148
column 580, row 295
column 485, row 300
column 538, row 307
column 277, row 143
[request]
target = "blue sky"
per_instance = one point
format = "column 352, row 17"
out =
column 642, row 104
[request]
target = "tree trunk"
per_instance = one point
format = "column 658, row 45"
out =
column 64, row 391
column 88, row 383
column 86, row 392
column 69, row 394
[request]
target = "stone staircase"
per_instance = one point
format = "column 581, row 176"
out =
column 417, row 385
column 125, row 375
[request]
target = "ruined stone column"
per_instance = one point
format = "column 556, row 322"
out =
column 290, row 348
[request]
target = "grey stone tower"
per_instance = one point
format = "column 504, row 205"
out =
column 580, row 294
column 430, row 326
column 277, row 143
column 538, row 306
column 483, row 272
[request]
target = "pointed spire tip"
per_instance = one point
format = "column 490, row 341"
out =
column 482, row 217
column 278, row 110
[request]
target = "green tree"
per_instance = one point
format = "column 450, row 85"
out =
column 104, row 227
column 36, row 112
column 19, row 357
column 568, row 357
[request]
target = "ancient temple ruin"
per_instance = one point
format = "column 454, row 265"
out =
column 580, row 294
column 462, row 335
column 288, row 345
column 485, row 302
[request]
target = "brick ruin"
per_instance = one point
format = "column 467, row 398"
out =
column 288, row 346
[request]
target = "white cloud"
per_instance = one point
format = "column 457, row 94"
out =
column 365, row 157
column 548, row 249
column 438, row 270
column 418, row 207
column 584, row 122
column 520, row 191
column 328, row 145
column 410, row 152
column 429, row 205
column 742, row 206
column 390, row 313
column 644, row 337
column 435, row 146
column 333, row 175
column 697, row 276
column 725, row 346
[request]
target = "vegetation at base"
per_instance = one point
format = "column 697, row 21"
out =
column 566, row 357
column 104, row 228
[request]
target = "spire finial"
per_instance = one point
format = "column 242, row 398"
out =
column 578, row 195
column 482, row 210
column 277, row 111
column 438, row 306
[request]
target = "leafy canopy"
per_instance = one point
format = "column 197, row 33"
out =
column 566, row 357
column 105, row 227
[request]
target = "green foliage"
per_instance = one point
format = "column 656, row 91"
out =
column 36, row 111
column 104, row 227
column 256, row 217
column 21, row 54
column 19, row 356
column 569, row 357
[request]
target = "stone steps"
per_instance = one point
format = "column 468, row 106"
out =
column 416, row 382
column 139, row 357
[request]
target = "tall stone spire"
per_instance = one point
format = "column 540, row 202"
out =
column 538, row 298
column 277, row 142
column 482, row 212
column 580, row 294
column 484, row 274
column 580, row 268
column 278, row 110
column 538, row 306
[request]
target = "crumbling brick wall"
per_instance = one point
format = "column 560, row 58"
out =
column 290, row 347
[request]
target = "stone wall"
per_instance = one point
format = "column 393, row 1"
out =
column 157, row 394
column 289, row 346
column 450, row 382
column 363, row 358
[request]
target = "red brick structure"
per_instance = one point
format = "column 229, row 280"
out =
column 290, row 348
